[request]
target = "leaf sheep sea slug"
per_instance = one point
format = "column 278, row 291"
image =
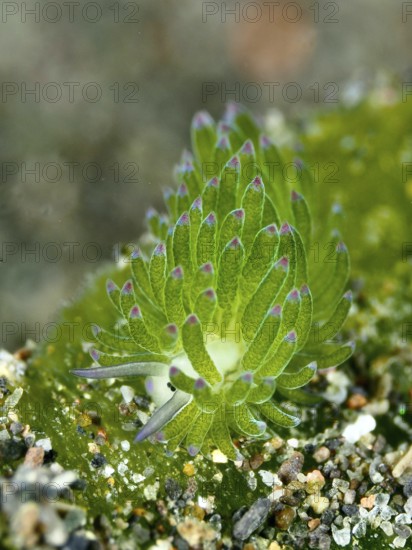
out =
column 232, row 312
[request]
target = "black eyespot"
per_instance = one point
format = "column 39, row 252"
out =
column 169, row 385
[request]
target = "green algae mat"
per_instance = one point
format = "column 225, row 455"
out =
column 289, row 450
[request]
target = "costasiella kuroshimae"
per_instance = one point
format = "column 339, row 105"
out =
column 231, row 314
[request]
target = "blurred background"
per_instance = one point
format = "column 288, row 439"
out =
column 97, row 99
